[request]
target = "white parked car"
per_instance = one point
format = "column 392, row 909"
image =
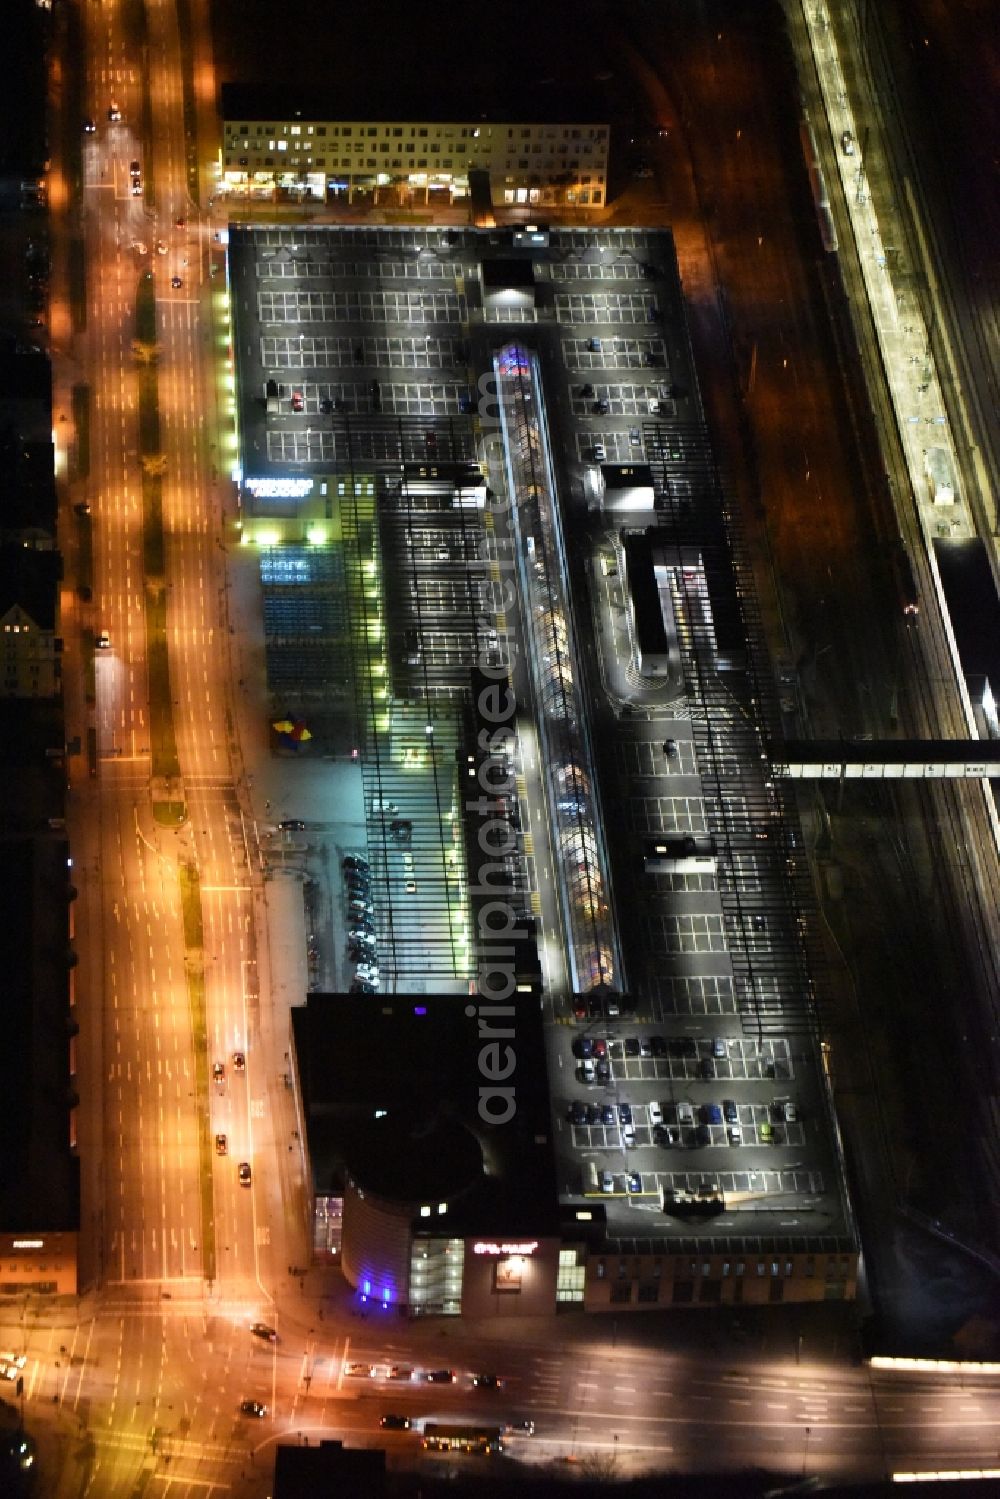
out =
column 655, row 1114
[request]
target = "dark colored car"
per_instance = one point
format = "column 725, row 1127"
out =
column 218, row 1072
column 633, row 1182
column 239, row 1061
column 245, row 1174
column 176, row 283
column 600, row 1047
column 657, row 1046
column 261, row 1330
column 253, row 1408
column 632, row 1046
column 221, row 1145
column 395, row 1423
column 354, row 861
column 608, row 1114
column 603, row 1070
column 625, row 1113
column 487, row 1382
column 730, row 1112
column 440, row 1376
column 577, row 1112
column 583, row 1047
column 293, row 825
column 593, row 1113
column 702, row 1136
column 710, row 1113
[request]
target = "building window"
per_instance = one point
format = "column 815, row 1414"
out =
column 397, row 131
column 372, row 130
column 657, row 1268
column 425, row 1211
column 571, row 1276
column 602, row 1269
column 740, row 1267
column 621, row 1295
column 648, row 1292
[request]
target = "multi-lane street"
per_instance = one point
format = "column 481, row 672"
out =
column 144, row 1378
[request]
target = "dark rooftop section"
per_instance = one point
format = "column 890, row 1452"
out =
column 420, row 1058
column 25, row 375
column 644, row 593
column 627, row 475
column 30, row 579
column 330, row 1468
column 405, row 1158
column 39, row 1177
column 971, row 593
column 509, row 271
column 384, row 77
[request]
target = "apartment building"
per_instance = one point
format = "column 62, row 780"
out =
column 31, row 648
column 412, row 163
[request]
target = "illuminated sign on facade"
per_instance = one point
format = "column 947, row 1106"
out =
column 29, row 1243
column 485, row 1247
column 279, row 489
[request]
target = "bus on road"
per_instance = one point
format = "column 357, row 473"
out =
column 446, row 1438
